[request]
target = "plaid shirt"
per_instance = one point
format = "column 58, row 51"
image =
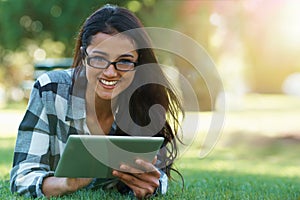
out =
column 49, row 120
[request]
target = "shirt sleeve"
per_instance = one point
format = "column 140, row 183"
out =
column 163, row 183
column 31, row 155
column 163, row 180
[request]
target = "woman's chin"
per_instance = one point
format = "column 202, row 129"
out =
column 107, row 95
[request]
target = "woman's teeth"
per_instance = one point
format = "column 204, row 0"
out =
column 105, row 82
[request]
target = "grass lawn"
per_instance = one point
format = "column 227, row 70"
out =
column 224, row 174
column 245, row 164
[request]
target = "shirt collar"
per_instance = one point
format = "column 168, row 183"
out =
column 77, row 104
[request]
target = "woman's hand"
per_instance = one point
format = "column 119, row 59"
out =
column 74, row 184
column 55, row 186
column 143, row 181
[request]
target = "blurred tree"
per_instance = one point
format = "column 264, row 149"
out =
column 34, row 30
column 38, row 20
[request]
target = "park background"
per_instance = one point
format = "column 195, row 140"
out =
column 255, row 46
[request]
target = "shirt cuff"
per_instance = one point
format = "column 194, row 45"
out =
column 163, row 184
column 39, row 184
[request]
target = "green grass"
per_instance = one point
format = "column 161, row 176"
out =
column 257, row 157
column 269, row 171
column 6, row 155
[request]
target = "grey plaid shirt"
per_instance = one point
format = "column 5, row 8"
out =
column 54, row 112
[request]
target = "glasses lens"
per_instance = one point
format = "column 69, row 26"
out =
column 125, row 65
column 97, row 62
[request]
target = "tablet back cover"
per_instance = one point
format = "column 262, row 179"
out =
column 96, row 156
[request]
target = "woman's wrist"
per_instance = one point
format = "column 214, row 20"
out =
column 70, row 185
column 74, row 184
column 54, row 186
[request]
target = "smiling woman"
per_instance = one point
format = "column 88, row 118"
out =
column 114, row 88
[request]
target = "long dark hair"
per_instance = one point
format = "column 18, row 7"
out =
column 113, row 20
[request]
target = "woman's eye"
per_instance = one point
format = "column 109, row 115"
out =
column 125, row 61
column 99, row 58
column 98, row 62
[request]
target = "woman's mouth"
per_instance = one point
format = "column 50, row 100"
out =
column 108, row 83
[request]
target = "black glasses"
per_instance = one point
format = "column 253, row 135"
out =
column 101, row 63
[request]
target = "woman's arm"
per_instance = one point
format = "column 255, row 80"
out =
column 32, row 150
column 54, row 186
column 37, row 147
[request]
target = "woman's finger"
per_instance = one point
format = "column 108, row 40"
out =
column 150, row 178
column 131, row 170
column 140, row 187
column 154, row 160
column 148, row 167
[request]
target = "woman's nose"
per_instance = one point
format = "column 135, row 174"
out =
column 110, row 71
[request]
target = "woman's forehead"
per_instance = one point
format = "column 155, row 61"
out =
column 116, row 42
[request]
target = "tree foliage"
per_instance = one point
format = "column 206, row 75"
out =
column 38, row 19
column 29, row 28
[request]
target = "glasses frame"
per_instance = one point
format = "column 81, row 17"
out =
column 88, row 58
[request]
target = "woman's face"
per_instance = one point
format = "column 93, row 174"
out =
column 110, row 82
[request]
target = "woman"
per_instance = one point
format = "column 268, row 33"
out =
column 101, row 94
